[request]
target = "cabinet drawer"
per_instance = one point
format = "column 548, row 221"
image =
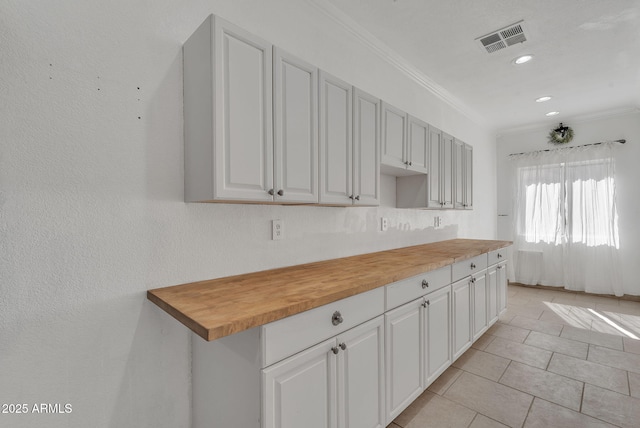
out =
column 285, row 337
column 469, row 266
column 411, row 288
column 497, row 256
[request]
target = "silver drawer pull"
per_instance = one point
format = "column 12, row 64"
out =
column 343, row 346
column 336, row 318
column 335, row 350
column 473, row 265
column 425, row 283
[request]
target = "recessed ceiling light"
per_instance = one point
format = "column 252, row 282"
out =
column 543, row 99
column 553, row 113
column 522, row 59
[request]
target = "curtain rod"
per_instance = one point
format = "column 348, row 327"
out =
column 571, row 147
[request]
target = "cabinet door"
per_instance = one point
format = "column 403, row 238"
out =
column 468, row 177
column 361, row 374
column 394, row 130
column 404, row 356
column 227, row 114
column 448, row 169
column 438, row 334
column 418, row 147
column 502, row 286
column 458, row 175
column 435, row 190
column 366, row 148
column 461, row 317
column 295, row 88
column 492, row 294
column 336, row 148
column 301, row 390
column 480, row 304
column 243, row 115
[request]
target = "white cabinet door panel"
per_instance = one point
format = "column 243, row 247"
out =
column 295, row 130
column 448, row 169
column 361, row 374
column 243, row 128
column 335, row 140
column 404, row 356
column 301, row 390
column 418, row 146
column 394, row 130
column 468, row 177
column 366, row 149
column 435, row 191
column 480, row 305
column 502, row 286
column 461, row 317
column 438, row 334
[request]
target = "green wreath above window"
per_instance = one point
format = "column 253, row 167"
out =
column 561, row 135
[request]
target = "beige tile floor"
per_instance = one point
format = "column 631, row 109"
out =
column 554, row 359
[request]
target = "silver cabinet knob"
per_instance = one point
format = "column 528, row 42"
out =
column 357, row 198
column 336, row 318
column 335, row 350
column 343, row 346
column 499, row 255
column 351, row 197
column 280, row 192
column 473, row 265
column 270, row 191
column 425, row 283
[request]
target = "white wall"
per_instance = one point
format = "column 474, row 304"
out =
column 606, row 127
column 91, row 191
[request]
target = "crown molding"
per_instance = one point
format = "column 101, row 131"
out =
column 581, row 118
column 393, row 58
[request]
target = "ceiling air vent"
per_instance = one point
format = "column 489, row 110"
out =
column 503, row 38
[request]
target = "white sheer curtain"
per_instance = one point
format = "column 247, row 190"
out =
column 566, row 231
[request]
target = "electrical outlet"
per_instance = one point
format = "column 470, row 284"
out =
column 384, row 224
column 436, row 221
column 277, row 230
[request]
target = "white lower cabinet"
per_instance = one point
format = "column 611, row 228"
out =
column 355, row 363
column 462, row 336
column 437, row 340
column 480, row 304
column 301, row 391
column 492, row 294
column 338, row 383
column 501, row 281
column 404, row 354
column 418, row 347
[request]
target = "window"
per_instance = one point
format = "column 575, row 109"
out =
column 569, row 202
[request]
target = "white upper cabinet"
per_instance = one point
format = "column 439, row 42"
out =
column 463, row 175
column 262, row 126
column 295, row 87
column 349, row 144
column 405, row 141
column 418, row 145
column 435, row 190
column 228, row 114
column 366, row 149
column 468, row 177
column 394, row 136
column 336, row 141
column 446, row 173
column 458, row 156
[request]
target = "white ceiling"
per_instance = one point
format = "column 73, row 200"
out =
column 586, row 53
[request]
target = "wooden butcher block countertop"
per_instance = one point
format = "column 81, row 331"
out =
column 220, row 307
